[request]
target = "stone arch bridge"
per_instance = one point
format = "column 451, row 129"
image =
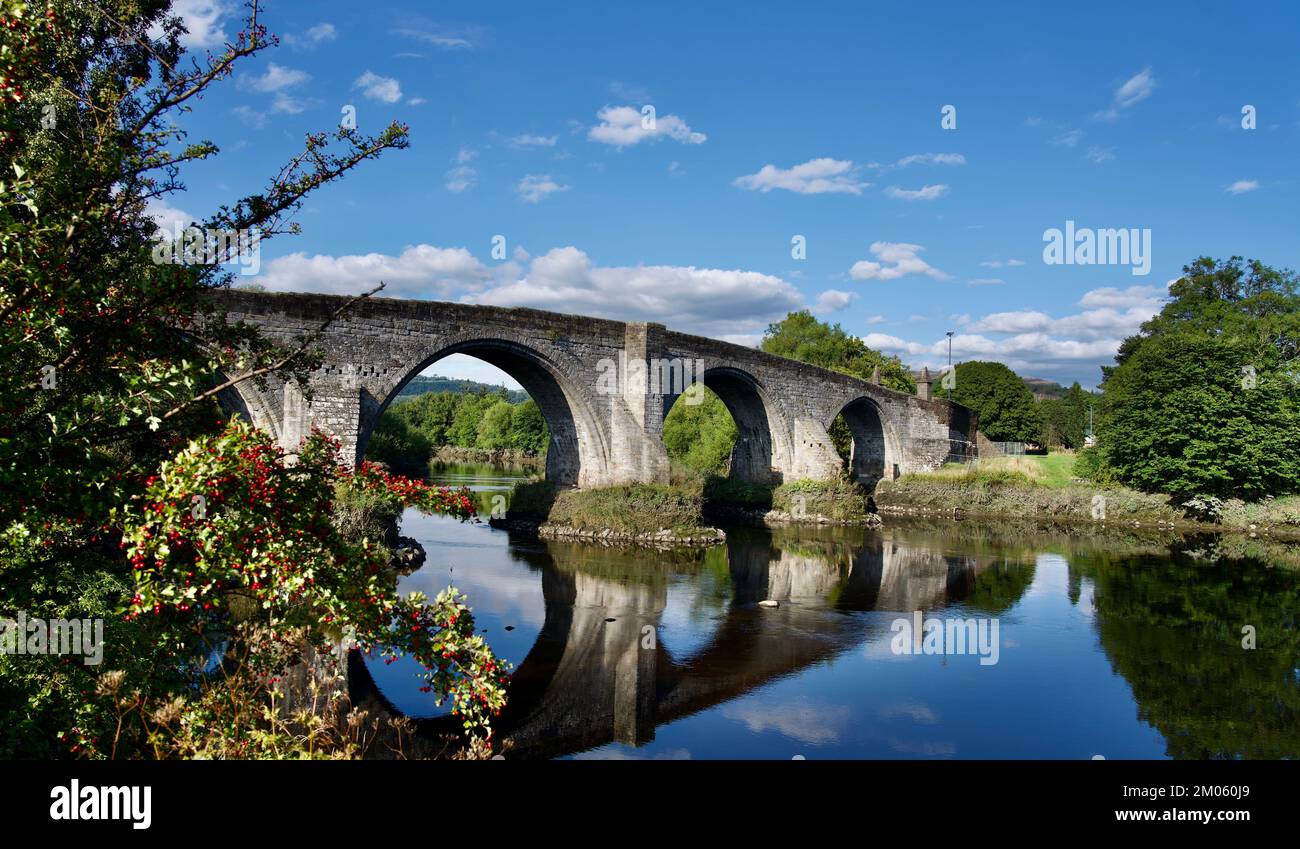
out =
column 603, row 386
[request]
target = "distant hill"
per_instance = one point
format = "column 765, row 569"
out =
column 420, row 384
column 1045, row 390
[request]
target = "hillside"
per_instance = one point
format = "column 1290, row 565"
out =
column 420, row 384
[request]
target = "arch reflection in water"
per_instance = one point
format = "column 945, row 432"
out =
column 604, row 667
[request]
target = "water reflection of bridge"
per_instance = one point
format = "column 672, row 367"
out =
column 601, row 669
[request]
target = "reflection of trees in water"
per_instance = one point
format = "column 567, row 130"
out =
column 1172, row 628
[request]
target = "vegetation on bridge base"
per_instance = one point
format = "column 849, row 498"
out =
column 644, row 512
column 635, row 511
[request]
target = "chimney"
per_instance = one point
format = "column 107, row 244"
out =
column 923, row 384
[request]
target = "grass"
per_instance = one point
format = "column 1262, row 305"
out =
column 1011, row 492
column 633, row 510
column 1054, row 471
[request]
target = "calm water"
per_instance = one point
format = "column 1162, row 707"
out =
column 1126, row 648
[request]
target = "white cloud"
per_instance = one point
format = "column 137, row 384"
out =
column 1137, row 88
column 250, row 116
column 416, row 101
column 276, row 78
column 1069, row 138
column 1035, row 343
column 461, row 178
column 444, row 40
column 466, row 154
column 318, row 34
column 1132, row 91
column 876, row 319
column 537, row 187
column 622, row 126
column 932, row 159
column 533, row 141
column 716, row 302
column 419, row 271
column 1242, row 186
column 202, row 19
column 896, row 259
column 375, row 87
column 938, row 190
column 167, row 217
column 997, row 263
column 1099, row 155
column 833, row 300
column 1146, row 297
column 290, row 105
column 814, row 177
column 986, row 281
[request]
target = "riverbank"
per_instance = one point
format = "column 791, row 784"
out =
column 1001, row 493
column 508, row 458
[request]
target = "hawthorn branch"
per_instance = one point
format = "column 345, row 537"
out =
column 306, row 343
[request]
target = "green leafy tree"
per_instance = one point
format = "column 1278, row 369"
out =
column 1065, row 420
column 1205, row 399
column 1006, row 408
column 401, row 446
column 800, row 336
column 528, row 431
column 495, row 425
column 700, row 436
column 465, row 422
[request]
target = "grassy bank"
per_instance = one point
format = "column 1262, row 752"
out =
column 632, row 510
column 806, row 500
column 1045, row 488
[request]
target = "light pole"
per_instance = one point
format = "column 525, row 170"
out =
column 948, row 333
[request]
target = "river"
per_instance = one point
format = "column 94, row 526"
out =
column 1076, row 646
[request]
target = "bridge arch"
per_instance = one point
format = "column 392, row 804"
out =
column 762, row 444
column 577, row 449
column 874, row 452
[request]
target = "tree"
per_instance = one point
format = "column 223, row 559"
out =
column 114, row 355
column 1065, row 420
column 465, row 421
column 997, row 394
column 494, row 427
column 402, row 447
column 1205, row 400
column 800, row 336
column 528, row 431
column 700, row 436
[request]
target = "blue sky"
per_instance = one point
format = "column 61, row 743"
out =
column 815, row 120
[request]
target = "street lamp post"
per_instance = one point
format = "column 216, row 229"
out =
column 948, row 333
